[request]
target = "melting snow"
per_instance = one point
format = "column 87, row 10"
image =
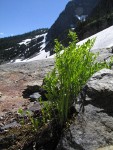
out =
column 104, row 39
column 37, row 36
column 25, row 41
column 18, row 60
column 8, row 49
column 41, row 55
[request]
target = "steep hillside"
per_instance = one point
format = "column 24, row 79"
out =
column 84, row 17
column 22, row 46
column 100, row 18
column 104, row 8
column 21, row 80
column 75, row 12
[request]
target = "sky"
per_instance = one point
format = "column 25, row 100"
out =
column 21, row 16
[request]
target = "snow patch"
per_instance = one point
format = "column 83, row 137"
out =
column 18, row 60
column 37, row 36
column 104, row 39
column 8, row 49
column 82, row 18
column 41, row 55
column 25, row 42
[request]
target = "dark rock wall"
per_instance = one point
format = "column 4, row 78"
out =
column 68, row 19
column 100, row 18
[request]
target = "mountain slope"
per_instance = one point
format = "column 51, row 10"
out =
column 100, row 18
column 84, row 17
column 22, row 46
column 104, row 39
column 103, row 44
column 76, row 11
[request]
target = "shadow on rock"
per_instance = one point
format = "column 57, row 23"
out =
column 99, row 89
column 34, row 93
column 105, row 104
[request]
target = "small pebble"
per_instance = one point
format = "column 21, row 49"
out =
column 0, row 94
column 1, row 118
column 1, row 124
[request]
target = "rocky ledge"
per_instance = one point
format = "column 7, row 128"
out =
column 91, row 129
column 19, row 83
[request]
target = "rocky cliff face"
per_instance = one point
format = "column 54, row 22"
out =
column 75, row 12
column 86, row 17
column 104, row 7
column 23, row 46
column 93, row 129
column 15, row 79
column 100, row 18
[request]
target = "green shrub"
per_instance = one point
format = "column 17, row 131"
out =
column 73, row 67
column 38, row 121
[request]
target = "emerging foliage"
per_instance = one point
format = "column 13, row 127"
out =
column 74, row 65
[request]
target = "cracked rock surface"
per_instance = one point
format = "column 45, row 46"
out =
column 93, row 128
column 14, row 79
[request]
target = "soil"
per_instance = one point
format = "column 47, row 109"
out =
column 15, row 78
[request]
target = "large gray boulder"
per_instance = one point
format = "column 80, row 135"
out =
column 100, row 89
column 101, row 84
column 89, row 131
column 93, row 129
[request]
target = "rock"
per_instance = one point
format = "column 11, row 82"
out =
column 106, row 148
column 0, row 94
column 90, row 131
column 100, row 89
column 35, row 96
column 100, row 84
column 93, row 129
column 35, row 107
column 69, row 18
column 10, row 125
column 104, row 53
column 1, row 118
column 34, row 92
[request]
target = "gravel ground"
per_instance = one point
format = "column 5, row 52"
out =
column 27, row 66
column 17, row 77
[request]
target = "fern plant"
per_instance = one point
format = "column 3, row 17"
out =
column 73, row 67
